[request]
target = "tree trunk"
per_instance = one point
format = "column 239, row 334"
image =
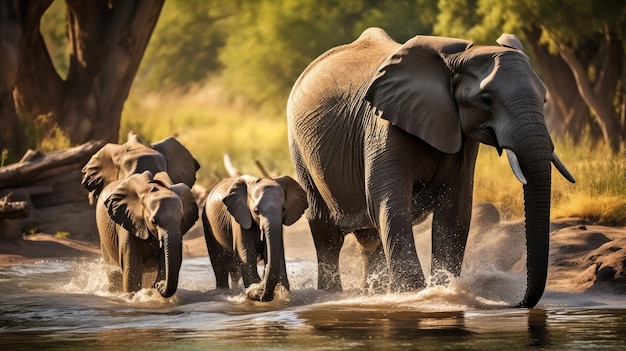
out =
column 602, row 106
column 107, row 42
column 39, row 89
column 19, row 24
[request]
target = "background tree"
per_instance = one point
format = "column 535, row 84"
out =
column 256, row 49
column 107, row 40
column 184, row 46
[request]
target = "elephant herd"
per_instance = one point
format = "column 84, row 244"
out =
column 381, row 136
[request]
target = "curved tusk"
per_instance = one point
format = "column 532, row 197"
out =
column 562, row 169
column 515, row 166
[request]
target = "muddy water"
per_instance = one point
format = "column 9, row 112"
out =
column 63, row 305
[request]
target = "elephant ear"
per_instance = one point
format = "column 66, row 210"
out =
column 102, row 168
column 181, row 165
column 139, row 157
column 413, row 91
column 295, row 199
column 236, row 202
column 190, row 208
column 124, row 203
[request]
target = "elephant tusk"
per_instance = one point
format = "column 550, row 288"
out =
column 517, row 170
column 562, row 169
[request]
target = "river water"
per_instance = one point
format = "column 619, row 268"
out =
column 63, row 305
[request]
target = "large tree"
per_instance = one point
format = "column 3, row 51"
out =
column 107, row 39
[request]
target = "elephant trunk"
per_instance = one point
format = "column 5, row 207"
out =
column 535, row 151
column 275, row 270
column 172, row 260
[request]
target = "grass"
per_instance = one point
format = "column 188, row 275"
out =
column 209, row 125
column 598, row 196
column 210, row 128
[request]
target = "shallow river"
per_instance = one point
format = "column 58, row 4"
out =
column 62, row 305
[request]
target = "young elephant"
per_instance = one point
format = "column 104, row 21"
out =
column 243, row 224
column 141, row 221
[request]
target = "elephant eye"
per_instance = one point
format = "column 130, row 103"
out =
column 486, row 99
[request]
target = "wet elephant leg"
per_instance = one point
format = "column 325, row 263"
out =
column 375, row 274
column 328, row 240
column 115, row 280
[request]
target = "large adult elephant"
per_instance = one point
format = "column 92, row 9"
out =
column 382, row 134
column 141, row 220
column 243, row 224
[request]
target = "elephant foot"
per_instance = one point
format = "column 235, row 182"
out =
column 256, row 291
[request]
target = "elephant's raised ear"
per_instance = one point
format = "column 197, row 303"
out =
column 190, row 208
column 181, row 165
column 102, row 168
column 295, row 199
column 124, row 203
column 413, row 91
column 236, row 202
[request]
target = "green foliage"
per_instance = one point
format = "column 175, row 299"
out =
column 62, row 235
column 184, row 45
column 5, row 156
column 563, row 22
column 53, row 29
column 257, row 49
column 44, row 134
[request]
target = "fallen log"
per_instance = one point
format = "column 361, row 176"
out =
column 33, row 164
column 13, row 209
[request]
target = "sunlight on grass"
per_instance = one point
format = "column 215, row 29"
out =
column 209, row 129
column 209, row 125
column 598, row 196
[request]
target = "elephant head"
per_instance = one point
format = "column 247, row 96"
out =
column 148, row 206
column 444, row 90
column 268, row 204
column 114, row 161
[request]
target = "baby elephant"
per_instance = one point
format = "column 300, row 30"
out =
column 141, row 221
column 243, row 224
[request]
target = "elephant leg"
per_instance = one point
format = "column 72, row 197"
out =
column 235, row 276
column 130, row 262
column 451, row 221
column 245, row 249
column 115, row 280
column 222, row 260
column 375, row 274
column 249, row 274
column 327, row 237
column 328, row 240
column 391, row 210
column 405, row 270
